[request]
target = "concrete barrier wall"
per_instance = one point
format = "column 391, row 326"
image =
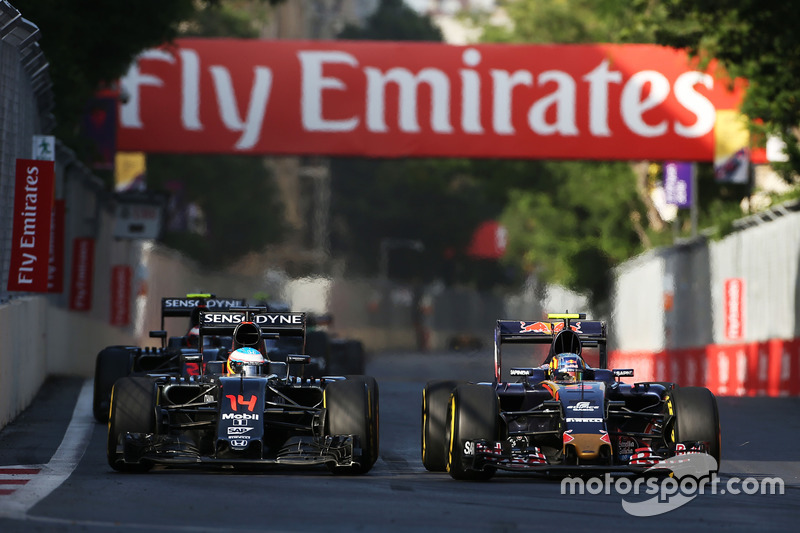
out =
column 23, row 355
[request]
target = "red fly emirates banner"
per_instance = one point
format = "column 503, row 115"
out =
column 30, row 241
column 392, row 99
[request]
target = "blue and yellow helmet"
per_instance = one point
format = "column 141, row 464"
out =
column 567, row 367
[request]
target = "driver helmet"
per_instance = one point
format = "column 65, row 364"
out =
column 193, row 337
column 567, row 367
column 242, row 357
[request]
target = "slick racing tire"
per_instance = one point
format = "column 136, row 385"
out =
column 352, row 409
column 111, row 364
column 473, row 414
column 696, row 418
column 435, row 398
column 133, row 409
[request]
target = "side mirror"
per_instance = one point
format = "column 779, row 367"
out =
column 160, row 334
column 296, row 359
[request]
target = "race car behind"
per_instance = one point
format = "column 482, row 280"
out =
column 114, row 362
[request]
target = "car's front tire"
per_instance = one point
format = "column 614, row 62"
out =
column 434, row 445
column 473, row 414
column 352, row 409
column 133, row 410
column 696, row 418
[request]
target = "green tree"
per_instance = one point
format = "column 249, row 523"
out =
column 578, row 219
column 753, row 39
column 89, row 43
column 394, row 21
column 240, row 215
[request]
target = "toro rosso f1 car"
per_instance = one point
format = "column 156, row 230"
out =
column 563, row 417
column 115, row 362
column 247, row 410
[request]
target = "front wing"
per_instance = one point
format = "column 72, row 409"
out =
column 337, row 450
column 501, row 456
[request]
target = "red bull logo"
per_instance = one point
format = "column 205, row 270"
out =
column 558, row 326
column 536, row 327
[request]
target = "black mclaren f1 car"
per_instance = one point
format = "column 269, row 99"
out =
column 563, row 417
column 114, row 362
column 248, row 410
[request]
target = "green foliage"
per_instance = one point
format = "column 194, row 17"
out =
column 559, row 21
column 236, row 195
column 394, row 21
column 753, row 39
column 88, row 43
column 574, row 225
column 437, row 202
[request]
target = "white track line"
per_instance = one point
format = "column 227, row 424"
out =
column 61, row 465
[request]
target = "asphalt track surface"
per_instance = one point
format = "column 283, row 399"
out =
column 54, row 477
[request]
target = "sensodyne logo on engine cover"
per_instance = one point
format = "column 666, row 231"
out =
column 275, row 319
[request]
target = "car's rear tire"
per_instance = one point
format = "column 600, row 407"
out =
column 133, row 410
column 354, row 357
column 352, row 409
column 318, row 346
column 473, row 414
column 696, row 418
column 111, row 364
column 434, row 445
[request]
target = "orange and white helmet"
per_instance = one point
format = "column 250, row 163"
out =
column 243, row 357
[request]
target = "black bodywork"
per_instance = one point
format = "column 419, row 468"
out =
column 267, row 415
column 114, row 362
column 556, row 428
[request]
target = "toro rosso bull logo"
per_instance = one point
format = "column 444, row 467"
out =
column 535, row 327
column 546, row 327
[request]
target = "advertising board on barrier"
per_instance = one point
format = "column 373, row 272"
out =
column 80, row 298
column 120, row 295
column 30, row 240
column 734, row 308
column 55, row 272
column 402, row 99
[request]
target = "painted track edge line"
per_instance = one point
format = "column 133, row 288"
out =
column 62, row 463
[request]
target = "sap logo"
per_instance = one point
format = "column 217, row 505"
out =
column 237, row 416
column 238, row 430
column 593, row 420
column 583, row 406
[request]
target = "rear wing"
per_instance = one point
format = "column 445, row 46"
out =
column 183, row 306
column 186, row 306
column 591, row 333
column 269, row 322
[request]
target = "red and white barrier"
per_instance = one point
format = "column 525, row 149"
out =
column 770, row 368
